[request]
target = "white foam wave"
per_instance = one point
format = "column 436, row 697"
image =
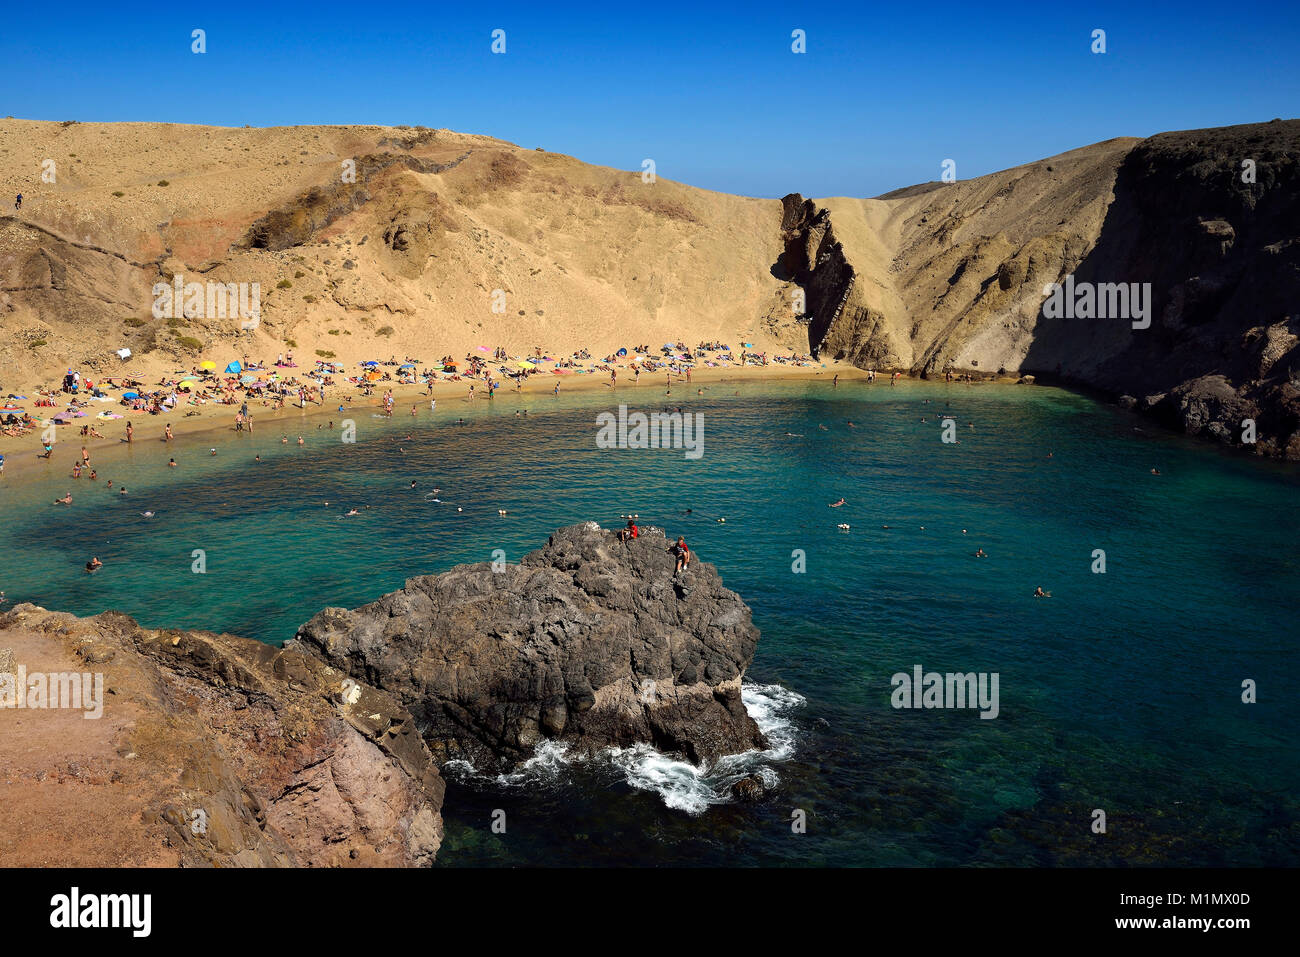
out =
column 546, row 765
column 685, row 787
column 680, row 785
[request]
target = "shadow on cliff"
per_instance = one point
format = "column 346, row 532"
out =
column 1221, row 256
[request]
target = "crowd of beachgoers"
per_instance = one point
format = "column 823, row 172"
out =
column 246, row 383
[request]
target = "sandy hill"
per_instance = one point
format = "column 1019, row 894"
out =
column 405, row 260
column 444, row 242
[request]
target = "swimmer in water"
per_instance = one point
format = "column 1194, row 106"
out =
column 94, row 564
column 837, row 504
column 147, row 514
column 171, row 463
column 981, row 554
column 66, row 500
column 353, row 512
column 122, row 490
column 1155, row 471
column 212, row 451
column 257, row 458
column 1039, row 593
column 300, row 440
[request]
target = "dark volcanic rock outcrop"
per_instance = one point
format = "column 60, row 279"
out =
column 208, row 750
column 1203, row 224
column 588, row 640
column 1211, row 219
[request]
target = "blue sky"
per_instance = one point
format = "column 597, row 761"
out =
column 713, row 94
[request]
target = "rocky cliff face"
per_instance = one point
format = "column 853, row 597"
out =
column 964, row 268
column 587, row 640
column 209, row 750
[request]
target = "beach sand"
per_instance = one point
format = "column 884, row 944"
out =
column 214, row 424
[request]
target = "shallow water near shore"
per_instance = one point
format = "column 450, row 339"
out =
column 1122, row 692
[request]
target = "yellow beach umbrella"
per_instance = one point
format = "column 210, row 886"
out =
column 207, row 364
column 186, row 386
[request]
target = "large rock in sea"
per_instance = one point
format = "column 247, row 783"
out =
column 589, row 640
column 206, row 750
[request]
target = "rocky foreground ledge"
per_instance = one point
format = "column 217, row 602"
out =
column 589, row 640
column 207, row 749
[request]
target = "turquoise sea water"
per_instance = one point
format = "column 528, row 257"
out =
column 1122, row 692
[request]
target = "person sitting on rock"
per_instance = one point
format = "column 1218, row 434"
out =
column 683, row 554
column 624, row 534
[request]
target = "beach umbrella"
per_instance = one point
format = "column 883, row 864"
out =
column 186, row 387
column 207, row 364
column 130, row 395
